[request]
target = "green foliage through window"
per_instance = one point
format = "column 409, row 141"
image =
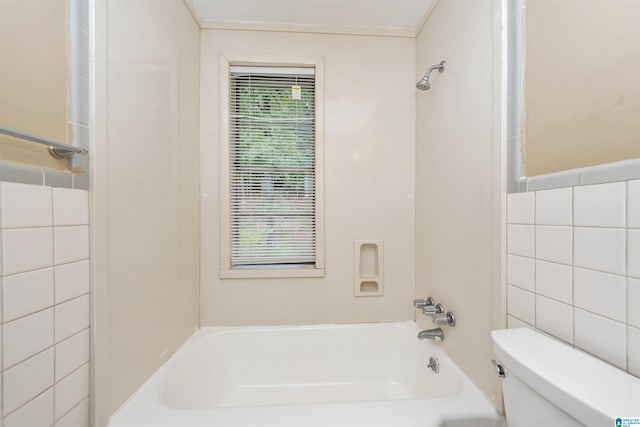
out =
column 272, row 172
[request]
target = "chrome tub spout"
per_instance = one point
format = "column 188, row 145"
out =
column 431, row 334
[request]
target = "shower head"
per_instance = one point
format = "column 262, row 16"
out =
column 424, row 84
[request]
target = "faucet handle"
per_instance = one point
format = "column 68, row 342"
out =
column 444, row 319
column 433, row 310
column 422, row 303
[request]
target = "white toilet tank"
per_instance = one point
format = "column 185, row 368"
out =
column 548, row 383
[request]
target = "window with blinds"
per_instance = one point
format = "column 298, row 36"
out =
column 272, row 168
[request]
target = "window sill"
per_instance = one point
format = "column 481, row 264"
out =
column 270, row 273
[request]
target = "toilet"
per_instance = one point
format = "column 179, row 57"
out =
column 548, row 383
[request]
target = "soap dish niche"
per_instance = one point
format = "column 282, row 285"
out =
column 368, row 271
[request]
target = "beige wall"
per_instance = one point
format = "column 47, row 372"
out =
column 369, row 180
column 582, row 85
column 145, row 199
column 34, row 82
column 458, row 182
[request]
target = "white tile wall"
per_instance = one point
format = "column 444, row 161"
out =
column 16, row 347
column 521, row 208
column 583, row 252
column 26, row 380
column 601, row 337
column 554, row 243
column 633, row 204
column 555, row 318
column 554, row 281
column 25, row 206
column 44, row 326
column 69, row 207
column 76, row 417
column 25, row 249
column 513, row 322
column 521, row 272
column 72, row 317
column 554, row 207
column 633, row 255
column 600, row 293
column 71, row 244
column 37, row 412
column 72, row 353
column 633, row 302
column 521, row 240
column 71, row 390
column 26, row 293
column 601, row 205
column 71, row 280
column 521, row 304
column 601, row 249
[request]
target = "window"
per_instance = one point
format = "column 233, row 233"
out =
column 272, row 169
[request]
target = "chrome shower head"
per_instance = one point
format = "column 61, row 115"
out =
column 424, row 84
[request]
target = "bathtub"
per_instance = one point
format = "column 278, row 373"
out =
column 298, row 376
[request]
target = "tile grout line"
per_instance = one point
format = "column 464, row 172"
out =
column 38, row 227
column 50, row 347
column 605, row 227
column 53, row 266
column 626, row 270
column 54, row 382
column 573, row 267
column 523, row 321
column 49, row 307
column 76, row 404
column 30, row 400
column 75, row 369
column 535, row 254
column 55, row 344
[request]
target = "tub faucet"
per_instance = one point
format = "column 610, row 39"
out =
column 431, row 334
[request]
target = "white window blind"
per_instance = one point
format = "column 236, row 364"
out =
column 272, row 166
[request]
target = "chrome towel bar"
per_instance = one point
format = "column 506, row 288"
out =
column 56, row 149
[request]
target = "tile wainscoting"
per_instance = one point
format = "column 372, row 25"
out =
column 45, row 305
column 573, row 267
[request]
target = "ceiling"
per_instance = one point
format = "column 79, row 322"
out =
column 379, row 17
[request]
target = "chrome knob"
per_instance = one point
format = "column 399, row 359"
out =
column 433, row 310
column 422, row 303
column 445, row 319
column 430, row 310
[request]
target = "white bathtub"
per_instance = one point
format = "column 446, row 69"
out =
column 329, row 375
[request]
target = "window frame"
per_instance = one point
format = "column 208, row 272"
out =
column 272, row 270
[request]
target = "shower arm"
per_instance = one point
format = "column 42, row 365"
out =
column 423, row 83
column 440, row 67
